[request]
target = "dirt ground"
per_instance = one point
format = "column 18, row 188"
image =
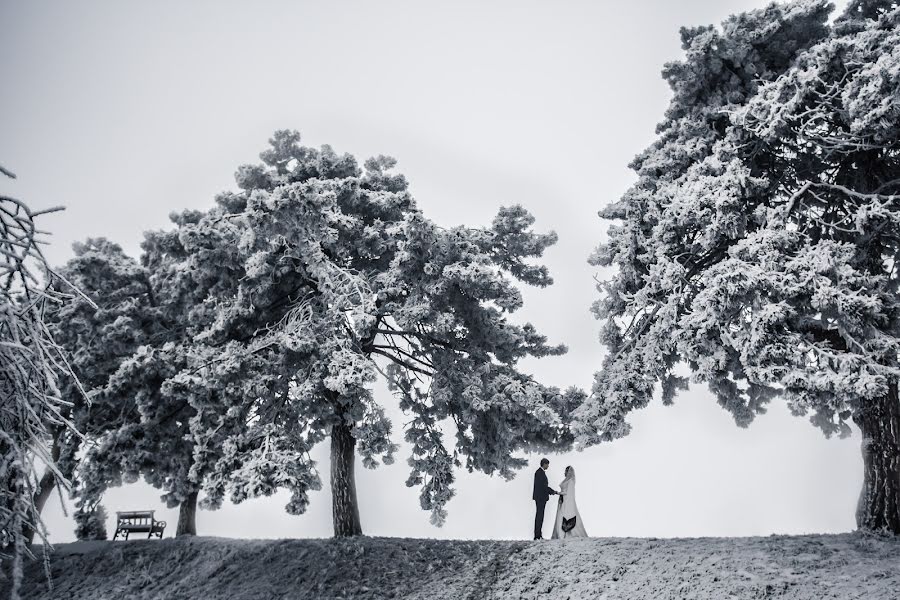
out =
column 815, row 567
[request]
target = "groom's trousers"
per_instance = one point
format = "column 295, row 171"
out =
column 540, row 505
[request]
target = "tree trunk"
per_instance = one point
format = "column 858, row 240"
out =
column 46, row 486
column 47, row 483
column 879, row 502
column 344, row 508
column 187, row 516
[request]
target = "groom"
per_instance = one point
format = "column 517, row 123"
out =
column 541, row 494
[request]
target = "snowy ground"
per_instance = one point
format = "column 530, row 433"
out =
column 814, row 567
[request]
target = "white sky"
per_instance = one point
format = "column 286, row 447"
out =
column 126, row 111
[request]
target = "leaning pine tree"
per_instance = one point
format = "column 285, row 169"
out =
column 759, row 244
column 338, row 277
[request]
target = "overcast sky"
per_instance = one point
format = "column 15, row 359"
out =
column 126, row 111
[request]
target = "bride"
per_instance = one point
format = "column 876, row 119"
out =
column 568, row 520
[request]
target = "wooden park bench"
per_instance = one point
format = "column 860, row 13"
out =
column 138, row 521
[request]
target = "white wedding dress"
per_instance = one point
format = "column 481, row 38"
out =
column 568, row 509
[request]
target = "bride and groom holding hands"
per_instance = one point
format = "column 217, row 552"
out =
column 568, row 523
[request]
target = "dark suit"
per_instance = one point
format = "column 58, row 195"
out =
column 540, row 496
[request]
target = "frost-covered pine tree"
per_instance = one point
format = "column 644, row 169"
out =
column 338, row 276
column 130, row 349
column 97, row 331
column 157, row 385
column 759, row 243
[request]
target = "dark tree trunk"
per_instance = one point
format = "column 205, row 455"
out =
column 187, row 516
column 47, row 484
column 344, row 508
column 879, row 501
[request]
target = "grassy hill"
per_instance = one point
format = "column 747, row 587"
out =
column 802, row 567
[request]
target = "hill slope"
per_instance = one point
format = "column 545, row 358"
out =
column 808, row 567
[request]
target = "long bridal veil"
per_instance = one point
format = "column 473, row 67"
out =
column 567, row 508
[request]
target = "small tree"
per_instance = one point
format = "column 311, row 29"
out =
column 90, row 523
column 759, row 243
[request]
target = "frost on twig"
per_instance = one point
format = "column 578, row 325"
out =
column 30, row 365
